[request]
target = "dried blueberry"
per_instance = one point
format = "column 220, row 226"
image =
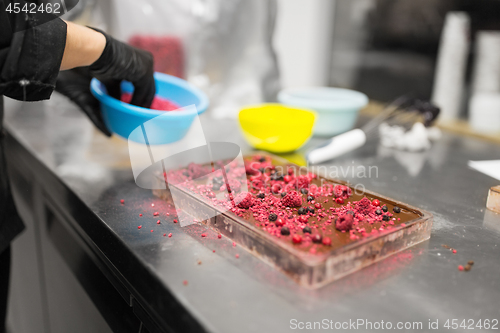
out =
column 285, row 231
column 301, row 211
column 307, row 229
column 385, row 217
column 317, row 238
column 304, row 191
column 350, row 212
column 378, row 212
column 261, row 195
column 310, row 198
column 273, row 217
column 310, row 210
column 385, row 209
column 283, row 194
column 396, row 209
column 262, row 159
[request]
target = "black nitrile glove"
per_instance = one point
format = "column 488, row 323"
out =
column 75, row 84
column 120, row 61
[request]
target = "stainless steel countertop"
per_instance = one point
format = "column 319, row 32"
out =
column 226, row 294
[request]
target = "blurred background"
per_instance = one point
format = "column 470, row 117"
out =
column 447, row 51
column 243, row 52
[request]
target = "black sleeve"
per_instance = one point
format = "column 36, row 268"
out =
column 31, row 56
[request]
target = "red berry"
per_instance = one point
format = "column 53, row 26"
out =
column 122, row 201
column 279, row 222
column 151, row 230
column 339, row 200
column 175, row 221
column 185, row 282
column 244, row 200
column 292, row 199
column 203, row 235
column 219, row 236
column 344, row 222
column 170, row 235
column 376, row 202
column 290, row 171
column 156, row 214
column 256, row 175
column 327, row 241
column 237, row 256
column 140, row 214
column 164, row 235
column 303, row 218
column 287, row 178
column 139, row 227
column 317, row 205
column 158, row 222
column 311, row 175
column 342, row 191
column 297, row 239
column 460, row 267
column 317, row 238
column 276, row 188
column 234, row 244
column 211, row 194
column 454, row 251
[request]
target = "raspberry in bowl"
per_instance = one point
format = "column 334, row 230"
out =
column 161, row 127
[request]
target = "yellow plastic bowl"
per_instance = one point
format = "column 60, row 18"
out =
column 275, row 127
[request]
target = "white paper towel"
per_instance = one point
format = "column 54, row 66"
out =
column 490, row 168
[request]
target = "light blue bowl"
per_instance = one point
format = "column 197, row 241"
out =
column 337, row 109
column 167, row 127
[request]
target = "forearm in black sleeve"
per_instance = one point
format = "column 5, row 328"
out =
column 29, row 59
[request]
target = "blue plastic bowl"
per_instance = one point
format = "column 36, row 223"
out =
column 336, row 108
column 167, row 127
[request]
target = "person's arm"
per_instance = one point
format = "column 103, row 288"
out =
column 116, row 61
column 30, row 55
column 84, row 46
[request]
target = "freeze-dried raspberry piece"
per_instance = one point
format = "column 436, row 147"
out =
column 257, row 183
column 159, row 103
column 292, row 199
column 244, row 200
column 276, row 188
column 303, row 182
column 252, row 168
column 344, row 222
column 364, row 206
column 342, row 191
